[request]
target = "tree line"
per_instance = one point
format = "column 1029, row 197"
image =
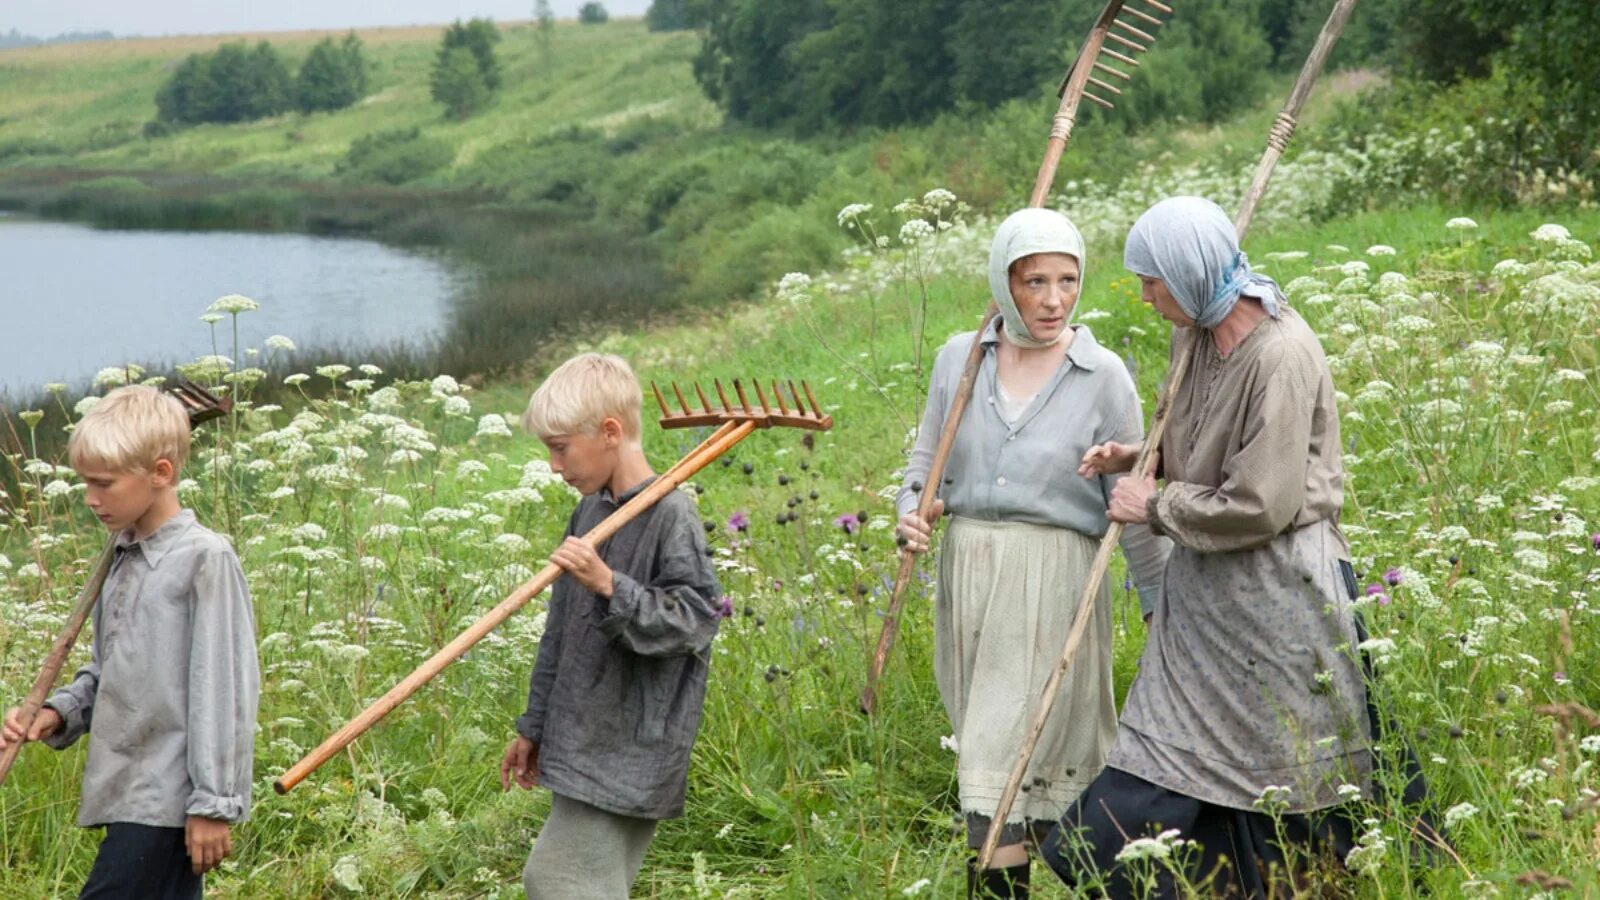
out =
column 240, row 83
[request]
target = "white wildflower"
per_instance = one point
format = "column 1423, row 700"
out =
column 1380, row 250
column 333, row 372
column 296, row 378
column 794, row 287
column 347, row 873
column 279, row 342
column 493, row 425
column 457, row 405
column 852, row 212
column 1550, row 233
column 914, row 231
column 310, row 533
column 916, row 887
column 1461, row 223
column 234, row 304
column 471, row 469
column 444, row 386
column 1457, row 814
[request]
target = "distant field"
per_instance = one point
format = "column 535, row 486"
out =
column 84, row 105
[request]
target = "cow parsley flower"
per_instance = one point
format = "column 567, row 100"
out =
column 233, row 304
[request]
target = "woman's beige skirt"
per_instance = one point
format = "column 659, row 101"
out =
column 1007, row 595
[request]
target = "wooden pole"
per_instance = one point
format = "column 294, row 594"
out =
column 719, row 443
column 1282, row 129
column 57, row 659
column 1060, row 133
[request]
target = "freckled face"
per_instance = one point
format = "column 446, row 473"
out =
column 1154, row 292
column 1045, row 287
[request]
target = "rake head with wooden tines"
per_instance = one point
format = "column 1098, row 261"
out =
column 734, row 424
column 800, row 410
column 202, row 405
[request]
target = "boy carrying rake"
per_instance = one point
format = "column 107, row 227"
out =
column 617, row 689
column 171, row 688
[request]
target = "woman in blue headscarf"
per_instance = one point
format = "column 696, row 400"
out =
column 1250, row 698
column 1024, row 531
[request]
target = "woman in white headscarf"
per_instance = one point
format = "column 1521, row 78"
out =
column 1024, row 531
column 1250, row 696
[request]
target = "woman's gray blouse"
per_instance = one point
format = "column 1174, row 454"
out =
column 1027, row 470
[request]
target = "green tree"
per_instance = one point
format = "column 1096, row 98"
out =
column 674, row 15
column 333, row 76
column 747, row 56
column 458, row 82
column 478, row 37
column 181, row 100
column 1001, row 49
column 546, row 18
column 593, row 13
column 878, row 63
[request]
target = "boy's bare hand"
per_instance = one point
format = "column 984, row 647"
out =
column 46, row 723
column 209, row 842
column 520, row 764
column 578, row 557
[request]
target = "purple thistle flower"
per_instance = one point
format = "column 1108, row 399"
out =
column 1561, row 678
column 738, row 522
column 1392, row 577
column 725, row 607
column 1376, row 590
column 849, row 522
column 1595, row 540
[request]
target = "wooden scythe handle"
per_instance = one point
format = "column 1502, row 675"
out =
column 59, row 652
column 1282, row 129
column 719, row 443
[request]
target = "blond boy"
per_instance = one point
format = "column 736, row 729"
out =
column 615, row 697
column 170, row 690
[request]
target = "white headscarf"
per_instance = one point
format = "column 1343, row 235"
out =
column 1191, row 244
column 1025, row 233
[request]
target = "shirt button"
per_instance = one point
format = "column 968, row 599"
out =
column 1001, row 481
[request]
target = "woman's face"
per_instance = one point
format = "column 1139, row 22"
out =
column 1154, row 292
column 1045, row 287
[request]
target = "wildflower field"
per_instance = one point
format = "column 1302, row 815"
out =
column 375, row 518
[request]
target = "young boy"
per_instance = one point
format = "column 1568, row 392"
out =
column 170, row 690
column 615, row 697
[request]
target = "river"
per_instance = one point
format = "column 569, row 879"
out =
column 75, row 299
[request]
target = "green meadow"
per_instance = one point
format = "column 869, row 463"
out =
column 378, row 506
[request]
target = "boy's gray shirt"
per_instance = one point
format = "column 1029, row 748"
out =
column 171, row 688
column 616, row 692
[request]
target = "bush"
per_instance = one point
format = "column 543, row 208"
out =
column 593, row 13
column 233, row 84
column 333, row 76
column 673, row 15
column 395, row 156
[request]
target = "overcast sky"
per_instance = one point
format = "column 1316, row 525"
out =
column 45, row 18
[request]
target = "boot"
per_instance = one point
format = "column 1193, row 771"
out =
column 990, row 884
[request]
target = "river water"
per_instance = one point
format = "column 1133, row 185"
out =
column 74, row 299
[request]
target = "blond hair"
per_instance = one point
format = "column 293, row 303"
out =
column 582, row 393
column 129, row 430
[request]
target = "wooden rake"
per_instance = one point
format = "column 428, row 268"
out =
column 202, row 406
column 734, row 422
column 1277, row 141
column 1131, row 29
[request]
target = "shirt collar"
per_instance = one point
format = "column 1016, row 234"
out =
column 605, row 492
column 1081, row 351
column 160, row 542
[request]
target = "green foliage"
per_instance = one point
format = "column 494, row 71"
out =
column 593, row 13
column 333, row 76
column 479, row 37
column 674, row 15
column 1013, row 48
column 236, row 83
column 458, row 83
column 747, row 60
column 395, row 156
column 1209, row 63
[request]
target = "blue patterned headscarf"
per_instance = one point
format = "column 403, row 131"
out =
column 1024, row 233
column 1191, row 244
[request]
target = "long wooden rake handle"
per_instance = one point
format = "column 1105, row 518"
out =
column 1282, row 129
column 719, row 443
column 1073, row 89
column 202, row 406
column 57, row 660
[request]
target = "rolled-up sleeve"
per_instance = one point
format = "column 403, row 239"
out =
column 675, row 614
column 224, row 685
